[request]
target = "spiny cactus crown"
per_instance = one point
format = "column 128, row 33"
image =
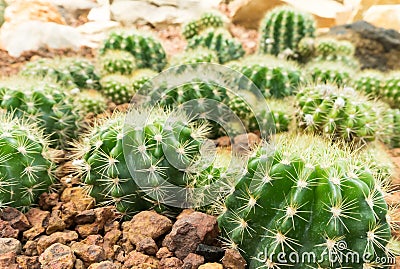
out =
column 283, row 28
column 207, row 20
column 90, row 101
column 306, row 196
column 26, row 170
column 329, row 72
column 199, row 55
column 46, row 103
column 117, row 61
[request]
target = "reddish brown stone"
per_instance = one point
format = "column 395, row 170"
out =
column 149, row 224
column 8, row 260
column 28, row 262
column 7, row 231
column 192, row 261
column 103, row 214
column 16, row 219
column 88, row 253
column 47, row 201
column 30, row 248
column 56, row 224
column 104, row 265
column 57, row 256
column 164, row 252
column 57, row 237
column 79, row 197
column 233, row 260
column 135, row 258
column 170, row 263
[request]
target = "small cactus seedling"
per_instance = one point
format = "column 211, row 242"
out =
column 26, row 169
column 340, row 113
column 207, row 20
column 274, row 77
column 117, row 88
column 117, row 61
column 90, row 101
column 225, row 46
column 70, row 72
column 283, row 28
column 162, row 149
column 44, row 102
column 305, row 197
column 329, row 72
column 147, row 51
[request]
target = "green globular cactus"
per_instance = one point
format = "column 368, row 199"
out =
column 117, row 61
column 207, row 20
column 305, row 202
column 340, row 113
column 90, row 101
column 329, row 46
column 69, row 72
column 281, row 111
column 117, row 88
column 369, row 82
column 147, row 51
column 274, row 77
column 225, row 46
column 390, row 91
column 46, row 103
column 140, row 77
column 283, row 28
column 163, row 149
column 330, row 72
column 395, row 133
column 26, row 169
column 200, row 55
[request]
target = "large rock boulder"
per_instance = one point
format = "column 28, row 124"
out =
column 376, row 47
column 386, row 16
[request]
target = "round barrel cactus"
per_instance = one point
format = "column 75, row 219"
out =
column 329, row 72
column 340, row 113
column 199, row 55
column 90, row 101
column 117, row 88
column 305, row 202
column 26, row 169
column 163, row 150
column 274, row 77
column 390, row 91
column 283, row 28
column 225, row 46
column 147, row 51
column 369, row 82
column 207, row 20
column 46, row 103
column 117, row 61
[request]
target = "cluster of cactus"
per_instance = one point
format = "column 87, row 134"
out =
column 274, row 77
column 117, row 61
column 207, row 20
column 90, row 101
column 340, row 113
column 44, row 102
column 69, row 72
column 329, row 72
column 225, row 46
column 26, row 169
column 283, row 28
column 147, row 51
column 159, row 147
column 303, row 195
column 200, row 55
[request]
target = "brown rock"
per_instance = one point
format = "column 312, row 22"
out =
column 85, row 217
column 119, row 254
column 57, row 256
column 94, row 239
column 189, row 231
column 233, row 260
column 88, row 253
column 33, row 232
column 213, row 265
column 104, row 265
column 7, row 231
column 223, row 141
column 30, row 248
column 27, row 262
column 16, row 219
column 79, row 264
column 110, row 240
column 56, row 224
column 103, row 214
column 10, row 245
column 7, row 260
column 193, row 261
column 57, row 237
column 37, row 217
column 69, row 211
column 170, row 263
column 147, row 245
column 164, row 252
column 79, row 197
column 150, row 224
column 393, row 198
column 111, row 225
column 135, row 258
column 47, row 201
column 245, row 142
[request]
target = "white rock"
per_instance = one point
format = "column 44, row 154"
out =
column 101, row 13
column 33, row 35
column 96, row 32
column 386, row 16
